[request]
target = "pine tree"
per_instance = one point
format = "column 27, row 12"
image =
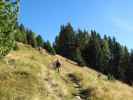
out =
column 114, row 63
column 56, row 45
column 21, row 34
column 39, row 41
column 129, row 71
column 69, row 43
column 104, row 56
column 49, row 48
column 66, row 41
column 31, row 40
column 91, row 52
column 82, row 38
column 124, row 63
column 8, row 19
column 77, row 56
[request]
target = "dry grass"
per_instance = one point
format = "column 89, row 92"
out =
column 24, row 75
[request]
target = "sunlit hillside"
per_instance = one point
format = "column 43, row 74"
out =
column 26, row 74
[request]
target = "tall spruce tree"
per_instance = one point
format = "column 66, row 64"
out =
column 82, row 38
column 21, row 34
column 123, row 63
column 116, row 50
column 31, row 40
column 47, row 45
column 91, row 52
column 66, row 41
column 129, row 71
column 104, row 56
column 39, row 41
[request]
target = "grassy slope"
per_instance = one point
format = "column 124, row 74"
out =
column 25, row 75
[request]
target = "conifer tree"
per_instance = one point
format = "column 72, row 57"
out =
column 124, row 63
column 21, row 34
column 39, row 41
column 8, row 18
column 91, row 52
column 49, row 48
column 66, row 41
column 129, row 70
column 104, row 56
column 31, row 40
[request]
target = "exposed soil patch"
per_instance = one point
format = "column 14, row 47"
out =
column 81, row 94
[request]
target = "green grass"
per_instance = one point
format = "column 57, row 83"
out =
column 25, row 75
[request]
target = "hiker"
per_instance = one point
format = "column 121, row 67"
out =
column 39, row 49
column 99, row 75
column 57, row 65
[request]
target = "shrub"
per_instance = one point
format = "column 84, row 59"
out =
column 110, row 77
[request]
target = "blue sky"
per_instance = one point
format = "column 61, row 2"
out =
column 111, row 17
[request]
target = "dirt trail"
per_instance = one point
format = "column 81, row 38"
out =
column 81, row 94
